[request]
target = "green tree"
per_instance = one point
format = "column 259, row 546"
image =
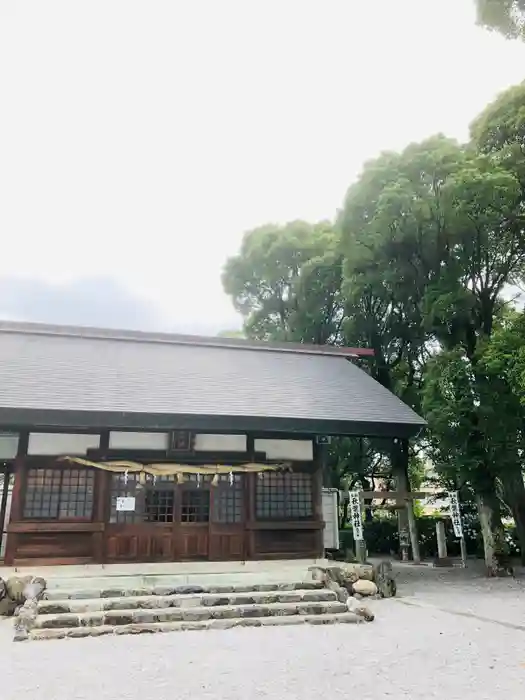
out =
column 286, row 283
column 433, row 237
column 504, row 16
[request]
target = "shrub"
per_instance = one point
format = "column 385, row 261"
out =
column 382, row 537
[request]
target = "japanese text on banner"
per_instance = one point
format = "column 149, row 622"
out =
column 455, row 513
column 355, row 514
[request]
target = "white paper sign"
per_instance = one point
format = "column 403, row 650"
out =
column 355, row 514
column 125, row 503
column 455, row 513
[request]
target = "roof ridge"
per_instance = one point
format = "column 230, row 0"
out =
column 28, row 328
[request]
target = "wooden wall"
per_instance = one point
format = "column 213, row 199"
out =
column 77, row 540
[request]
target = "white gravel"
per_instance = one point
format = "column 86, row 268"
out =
column 418, row 647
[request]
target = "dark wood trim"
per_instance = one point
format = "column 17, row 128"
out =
column 55, row 561
column 3, row 502
column 284, row 525
column 23, row 443
column 18, row 489
column 94, row 421
column 54, row 526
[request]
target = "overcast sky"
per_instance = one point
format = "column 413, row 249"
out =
column 140, row 139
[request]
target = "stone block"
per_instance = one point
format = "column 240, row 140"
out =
column 78, row 595
column 269, row 599
column 265, row 587
column 309, row 585
column 247, row 622
column 112, row 593
column 215, row 600
column 93, row 619
column 242, row 600
column 139, row 592
column 289, row 598
column 197, row 614
column 119, row 604
column 319, row 596
column 191, row 602
column 184, row 590
column 48, row 634
column 101, row 631
column 253, row 611
column 118, row 618
column 78, row 632
column 284, row 610
column 220, row 589
column 59, row 621
column 364, row 587
column 224, row 623
column 280, row 620
column 195, row 626
column 223, row 613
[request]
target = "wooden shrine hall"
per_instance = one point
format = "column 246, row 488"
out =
column 142, row 447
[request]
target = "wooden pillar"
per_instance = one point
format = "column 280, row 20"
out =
column 3, row 503
column 441, row 540
column 408, row 534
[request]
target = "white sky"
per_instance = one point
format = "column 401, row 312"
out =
column 140, row 139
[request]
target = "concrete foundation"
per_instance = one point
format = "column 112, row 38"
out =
column 100, row 576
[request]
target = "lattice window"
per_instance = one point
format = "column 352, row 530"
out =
column 195, row 506
column 228, row 499
column 159, row 506
column 59, row 494
column 284, row 495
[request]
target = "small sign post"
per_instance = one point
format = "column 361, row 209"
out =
column 457, row 524
column 356, row 516
column 126, row 503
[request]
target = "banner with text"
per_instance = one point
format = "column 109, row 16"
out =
column 356, row 514
column 455, row 513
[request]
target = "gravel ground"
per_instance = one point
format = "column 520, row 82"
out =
column 448, row 635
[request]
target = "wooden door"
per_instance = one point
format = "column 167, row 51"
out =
column 195, row 520
column 193, row 517
column 228, row 518
column 145, row 533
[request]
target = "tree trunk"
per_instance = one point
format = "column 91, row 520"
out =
column 406, row 521
column 514, row 493
column 488, row 518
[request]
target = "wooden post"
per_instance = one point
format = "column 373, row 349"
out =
column 441, row 539
column 406, row 520
column 3, row 503
column 360, row 545
column 412, row 527
column 463, row 546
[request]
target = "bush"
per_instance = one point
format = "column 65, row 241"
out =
column 382, row 537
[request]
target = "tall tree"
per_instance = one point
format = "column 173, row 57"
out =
column 286, row 283
column 504, row 16
column 394, row 234
column 433, row 237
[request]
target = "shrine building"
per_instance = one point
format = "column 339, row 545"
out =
column 145, row 447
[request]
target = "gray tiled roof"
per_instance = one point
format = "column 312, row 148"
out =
column 91, row 378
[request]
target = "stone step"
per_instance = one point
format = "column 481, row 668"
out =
column 124, row 590
column 191, row 600
column 41, row 633
column 114, row 618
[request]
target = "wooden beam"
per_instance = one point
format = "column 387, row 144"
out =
column 396, row 495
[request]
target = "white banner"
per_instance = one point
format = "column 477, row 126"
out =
column 455, row 513
column 356, row 515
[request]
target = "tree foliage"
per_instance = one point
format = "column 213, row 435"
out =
column 506, row 17
column 420, row 266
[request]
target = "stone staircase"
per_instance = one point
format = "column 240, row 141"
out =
column 69, row 613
